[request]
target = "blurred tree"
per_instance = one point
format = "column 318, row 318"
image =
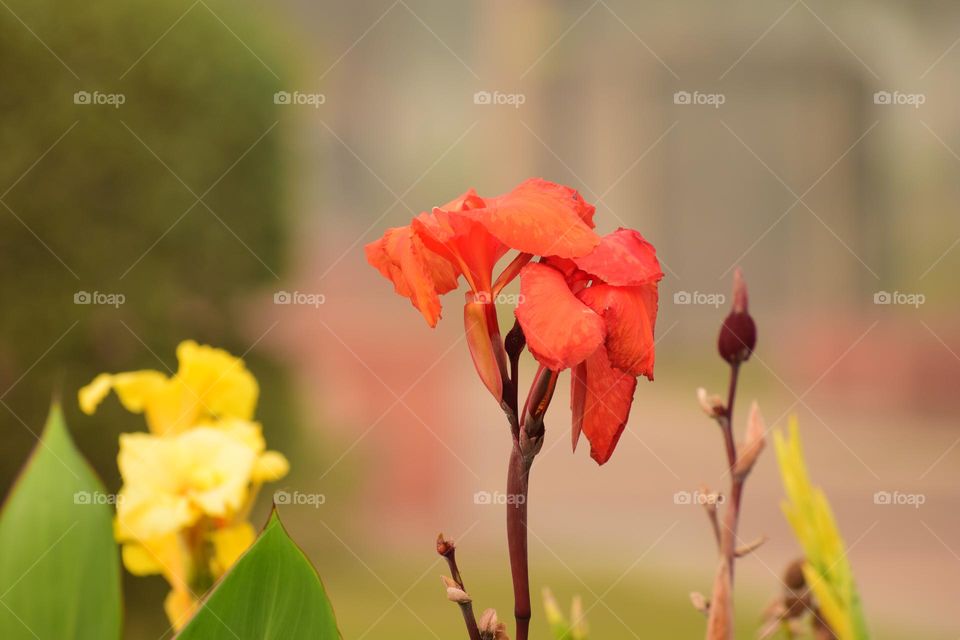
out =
column 172, row 199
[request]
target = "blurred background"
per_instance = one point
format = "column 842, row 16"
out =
column 219, row 166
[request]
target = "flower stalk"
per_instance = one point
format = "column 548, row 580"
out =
column 518, row 482
column 736, row 342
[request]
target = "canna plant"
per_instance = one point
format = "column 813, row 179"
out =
column 587, row 303
column 182, row 512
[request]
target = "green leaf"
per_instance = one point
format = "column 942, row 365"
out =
column 271, row 593
column 59, row 570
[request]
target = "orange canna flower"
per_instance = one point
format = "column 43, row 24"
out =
column 467, row 237
column 589, row 304
column 595, row 314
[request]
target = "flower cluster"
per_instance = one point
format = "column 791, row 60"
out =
column 587, row 303
column 190, row 482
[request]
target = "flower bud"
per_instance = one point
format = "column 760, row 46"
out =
column 738, row 335
column 444, row 546
column 454, row 592
column 711, row 404
column 490, row 627
column 699, row 602
column 755, row 441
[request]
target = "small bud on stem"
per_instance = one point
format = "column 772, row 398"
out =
column 454, row 592
column 756, row 440
column 738, row 335
column 712, row 404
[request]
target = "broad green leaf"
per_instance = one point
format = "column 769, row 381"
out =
column 271, row 593
column 59, row 568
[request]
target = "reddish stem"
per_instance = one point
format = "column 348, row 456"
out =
column 518, row 477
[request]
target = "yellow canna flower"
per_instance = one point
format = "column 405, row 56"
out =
column 170, row 482
column 189, row 484
column 827, row 569
column 210, row 384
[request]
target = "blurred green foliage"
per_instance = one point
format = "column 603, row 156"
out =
column 100, row 198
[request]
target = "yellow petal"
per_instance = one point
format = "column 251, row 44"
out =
column 218, row 382
column 139, row 561
column 229, row 544
column 138, row 389
column 170, row 481
column 93, row 394
column 270, row 467
column 180, row 607
column 166, row 555
column 249, row 433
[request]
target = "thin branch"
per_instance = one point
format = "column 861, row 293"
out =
column 448, row 550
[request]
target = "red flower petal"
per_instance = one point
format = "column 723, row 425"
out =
column 622, row 258
column 476, row 321
column 464, row 242
column 416, row 272
column 630, row 314
column 465, row 202
column 542, row 218
column 560, row 330
column 601, row 397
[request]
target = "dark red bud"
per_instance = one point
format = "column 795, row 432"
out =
column 444, row 546
column 738, row 335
